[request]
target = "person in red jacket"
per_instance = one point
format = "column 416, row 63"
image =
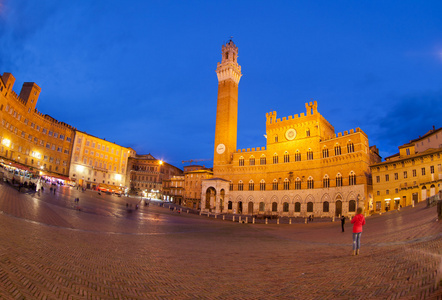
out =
column 358, row 221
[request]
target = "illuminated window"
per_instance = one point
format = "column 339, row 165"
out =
column 298, row 184
column 326, row 182
column 352, row 178
column 262, row 185
column 310, row 183
column 337, row 150
column 275, row 185
column 309, row 154
column 286, row 157
column 286, row 184
column 251, row 185
column 338, row 180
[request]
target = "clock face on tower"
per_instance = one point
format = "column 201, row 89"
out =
column 220, row 149
column 290, row 134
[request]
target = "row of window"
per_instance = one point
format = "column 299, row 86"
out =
column 35, row 140
column 297, row 156
column 297, row 206
column 100, row 155
column 413, row 161
column 51, row 133
column 99, row 164
column 98, row 146
column 297, row 184
column 413, row 172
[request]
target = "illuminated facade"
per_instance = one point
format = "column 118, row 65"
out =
column 173, row 189
column 193, row 184
column 146, row 173
column 305, row 168
column 410, row 176
column 30, row 139
column 97, row 163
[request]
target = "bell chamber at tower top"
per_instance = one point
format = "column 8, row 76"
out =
column 229, row 68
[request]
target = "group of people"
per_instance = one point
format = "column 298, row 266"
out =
column 358, row 221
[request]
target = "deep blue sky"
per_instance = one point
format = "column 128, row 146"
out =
column 142, row 73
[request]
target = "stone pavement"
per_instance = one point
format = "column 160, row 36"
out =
column 53, row 248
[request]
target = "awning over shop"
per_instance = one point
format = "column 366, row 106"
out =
column 18, row 166
column 59, row 177
column 109, row 188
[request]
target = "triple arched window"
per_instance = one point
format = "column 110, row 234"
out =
column 337, row 150
column 326, row 181
column 350, row 147
column 286, row 184
column 310, row 183
column 338, row 180
column 352, row 178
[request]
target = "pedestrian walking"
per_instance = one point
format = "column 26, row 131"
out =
column 342, row 222
column 358, row 221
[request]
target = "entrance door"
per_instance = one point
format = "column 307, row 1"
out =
column 338, row 208
column 250, row 211
column 240, row 207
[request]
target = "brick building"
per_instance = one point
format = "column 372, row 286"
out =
column 411, row 175
column 304, row 169
column 30, row 140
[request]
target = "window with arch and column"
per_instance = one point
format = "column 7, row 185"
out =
column 350, row 147
column 326, row 181
column 298, row 183
column 352, row 178
column 275, row 158
column 262, row 185
column 309, row 154
column 240, row 185
column 286, row 184
column 286, row 157
column 275, row 184
column 338, row 180
column 297, row 156
column 252, row 160
column 324, row 153
column 251, row 185
column 337, row 150
column 262, row 160
column 310, row 183
column 241, row 161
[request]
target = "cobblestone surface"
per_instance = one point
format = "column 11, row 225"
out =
column 52, row 247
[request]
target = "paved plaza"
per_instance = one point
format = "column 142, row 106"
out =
column 52, row 247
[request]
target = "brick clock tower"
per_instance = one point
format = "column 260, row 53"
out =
column 229, row 74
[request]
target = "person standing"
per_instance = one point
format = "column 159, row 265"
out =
column 358, row 221
column 342, row 222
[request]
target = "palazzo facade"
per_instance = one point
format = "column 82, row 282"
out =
column 410, row 176
column 304, row 169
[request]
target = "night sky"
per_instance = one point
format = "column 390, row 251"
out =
column 142, row 73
